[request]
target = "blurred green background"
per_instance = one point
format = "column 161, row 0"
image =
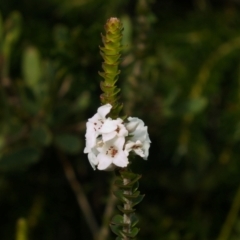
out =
column 180, row 74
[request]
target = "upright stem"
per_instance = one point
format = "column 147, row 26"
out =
column 124, row 226
column 127, row 207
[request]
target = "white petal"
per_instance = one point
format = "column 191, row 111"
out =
column 139, row 152
column 108, row 136
column 104, row 110
column 128, row 147
column 120, row 159
column 109, row 126
column 119, row 142
column 134, row 123
column 104, row 161
column 93, row 160
column 90, row 138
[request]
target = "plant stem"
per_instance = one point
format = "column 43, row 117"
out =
column 80, row 195
column 127, row 207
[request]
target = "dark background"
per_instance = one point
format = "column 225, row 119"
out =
column 180, row 73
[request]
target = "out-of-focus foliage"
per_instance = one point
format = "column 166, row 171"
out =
column 180, row 72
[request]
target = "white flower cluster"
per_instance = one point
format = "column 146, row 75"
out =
column 108, row 141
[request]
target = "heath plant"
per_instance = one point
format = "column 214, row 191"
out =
column 113, row 140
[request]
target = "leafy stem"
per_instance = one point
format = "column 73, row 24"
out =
column 111, row 52
column 124, row 226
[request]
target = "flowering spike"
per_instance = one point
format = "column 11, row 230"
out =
column 111, row 141
column 111, row 54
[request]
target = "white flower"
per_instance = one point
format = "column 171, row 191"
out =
column 111, row 153
column 136, row 147
column 94, row 125
column 112, row 128
column 139, row 140
column 105, row 156
column 106, row 142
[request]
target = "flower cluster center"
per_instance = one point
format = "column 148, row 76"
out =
column 112, row 151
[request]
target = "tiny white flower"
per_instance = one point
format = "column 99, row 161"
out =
column 111, row 153
column 112, row 128
column 139, row 141
column 94, row 125
column 134, row 146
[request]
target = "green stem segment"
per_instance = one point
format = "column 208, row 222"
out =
column 125, row 226
column 111, row 55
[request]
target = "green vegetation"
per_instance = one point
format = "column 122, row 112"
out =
column 180, row 73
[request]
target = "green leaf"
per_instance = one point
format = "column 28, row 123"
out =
column 117, row 219
column 125, row 211
column 119, row 183
column 196, row 105
column 129, row 175
column 119, row 195
column 134, row 220
column 117, row 230
column 19, row 158
column 42, row 135
column 68, row 143
column 133, row 233
column 31, row 68
column 135, row 186
column 110, row 68
column 134, row 195
column 133, row 179
column 137, row 200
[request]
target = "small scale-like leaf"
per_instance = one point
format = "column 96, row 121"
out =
column 134, row 195
column 134, row 220
column 119, row 195
column 135, row 186
column 108, row 51
column 107, row 88
column 137, row 200
column 117, row 230
column 129, row 175
column 119, row 183
column 117, row 219
column 110, row 59
column 124, row 210
column 110, row 68
column 133, row 181
column 133, row 233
